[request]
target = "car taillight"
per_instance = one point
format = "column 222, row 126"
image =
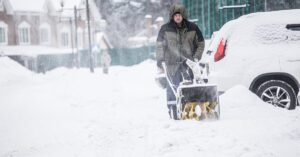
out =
column 220, row 51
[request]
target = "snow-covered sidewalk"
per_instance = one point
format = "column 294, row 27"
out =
column 71, row 112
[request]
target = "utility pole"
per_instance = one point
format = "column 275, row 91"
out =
column 72, row 44
column 266, row 5
column 75, row 59
column 76, row 38
column 89, row 36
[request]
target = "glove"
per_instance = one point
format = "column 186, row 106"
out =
column 195, row 68
column 160, row 78
column 190, row 63
column 160, row 70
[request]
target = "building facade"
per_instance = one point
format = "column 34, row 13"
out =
column 47, row 23
column 36, row 32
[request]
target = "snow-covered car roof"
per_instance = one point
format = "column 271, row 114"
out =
column 259, row 28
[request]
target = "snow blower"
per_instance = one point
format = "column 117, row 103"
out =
column 195, row 99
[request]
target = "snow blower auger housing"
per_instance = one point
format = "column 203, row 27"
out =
column 196, row 99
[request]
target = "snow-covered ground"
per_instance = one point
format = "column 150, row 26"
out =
column 73, row 113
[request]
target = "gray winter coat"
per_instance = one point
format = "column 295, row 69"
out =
column 175, row 45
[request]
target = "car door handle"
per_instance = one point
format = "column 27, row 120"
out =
column 209, row 52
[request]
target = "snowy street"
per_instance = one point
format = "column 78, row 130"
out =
column 71, row 112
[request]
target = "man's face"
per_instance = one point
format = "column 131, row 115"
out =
column 177, row 18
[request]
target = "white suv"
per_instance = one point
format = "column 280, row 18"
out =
column 260, row 51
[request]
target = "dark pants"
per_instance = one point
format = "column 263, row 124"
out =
column 183, row 72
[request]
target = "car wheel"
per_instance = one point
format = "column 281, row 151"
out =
column 278, row 93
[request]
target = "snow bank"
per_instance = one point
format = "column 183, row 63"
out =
column 33, row 50
column 9, row 66
column 11, row 71
column 243, row 103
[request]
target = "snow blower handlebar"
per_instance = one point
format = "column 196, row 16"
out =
column 168, row 79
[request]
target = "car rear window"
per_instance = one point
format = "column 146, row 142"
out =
column 277, row 33
column 293, row 27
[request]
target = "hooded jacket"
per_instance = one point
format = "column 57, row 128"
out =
column 175, row 45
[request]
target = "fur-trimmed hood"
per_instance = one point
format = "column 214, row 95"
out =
column 175, row 8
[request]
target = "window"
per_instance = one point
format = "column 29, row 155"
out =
column 45, row 34
column 65, row 39
column 80, row 38
column 293, row 27
column 3, row 33
column 1, row 5
column 24, row 33
column 277, row 33
column 293, row 33
column 64, row 36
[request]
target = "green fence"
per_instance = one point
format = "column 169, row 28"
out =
column 49, row 62
column 120, row 56
column 130, row 56
column 211, row 15
column 43, row 63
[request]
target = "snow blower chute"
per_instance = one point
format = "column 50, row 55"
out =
column 195, row 99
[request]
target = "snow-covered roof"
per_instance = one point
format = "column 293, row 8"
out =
column 135, row 4
column 148, row 16
column 27, row 5
column 159, row 19
column 33, row 5
column 103, row 41
column 67, row 3
column 94, row 11
column 80, row 4
column 32, row 51
column 137, row 41
column 119, row 1
column 43, row 5
column 8, row 7
column 141, row 39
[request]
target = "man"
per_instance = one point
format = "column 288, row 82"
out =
column 179, row 43
column 105, row 61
